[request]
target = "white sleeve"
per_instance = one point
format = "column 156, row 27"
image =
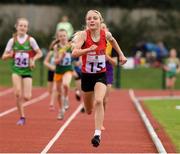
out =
column 33, row 43
column 9, row 45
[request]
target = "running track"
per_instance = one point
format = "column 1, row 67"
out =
column 125, row 131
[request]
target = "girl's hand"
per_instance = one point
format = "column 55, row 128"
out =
column 93, row 47
column 122, row 59
column 178, row 70
column 32, row 63
column 107, row 57
column 52, row 67
column 11, row 54
column 166, row 68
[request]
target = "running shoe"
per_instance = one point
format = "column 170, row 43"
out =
column 66, row 103
column 61, row 114
column 95, row 141
column 21, row 121
column 82, row 110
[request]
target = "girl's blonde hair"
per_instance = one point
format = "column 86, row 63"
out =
column 98, row 13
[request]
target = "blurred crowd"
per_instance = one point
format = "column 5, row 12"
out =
column 150, row 54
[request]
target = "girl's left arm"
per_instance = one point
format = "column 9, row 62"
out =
column 38, row 54
column 178, row 67
column 116, row 46
column 112, row 61
column 37, row 50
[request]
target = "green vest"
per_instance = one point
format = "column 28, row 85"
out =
column 21, row 62
column 172, row 65
column 66, row 63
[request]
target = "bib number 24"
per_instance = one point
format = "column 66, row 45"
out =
column 22, row 60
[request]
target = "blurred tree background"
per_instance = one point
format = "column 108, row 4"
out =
column 163, row 27
column 130, row 22
column 129, row 4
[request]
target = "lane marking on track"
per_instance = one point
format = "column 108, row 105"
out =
column 178, row 107
column 5, row 92
column 32, row 101
column 159, row 146
column 158, row 97
column 61, row 130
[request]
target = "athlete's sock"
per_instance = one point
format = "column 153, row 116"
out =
column 97, row 132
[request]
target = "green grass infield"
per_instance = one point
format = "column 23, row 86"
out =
column 167, row 114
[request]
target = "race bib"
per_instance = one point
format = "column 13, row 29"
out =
column 95, row 63
column 21, row 59
column 66, row 60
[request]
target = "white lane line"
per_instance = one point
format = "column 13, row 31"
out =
column 61, row 130
column 159, row 146
column 32, row 101
column 5, row 92
column 178, row 107
column 158, row 97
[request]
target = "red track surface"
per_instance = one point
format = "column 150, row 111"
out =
column 125, row 132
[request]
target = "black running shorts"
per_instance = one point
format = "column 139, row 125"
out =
column 50, row 75
column 88, row 81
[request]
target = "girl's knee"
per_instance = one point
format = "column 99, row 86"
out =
column 98, row 101
column 66, row 85
column 59, row 93
column 18, row 93
column 27, row 97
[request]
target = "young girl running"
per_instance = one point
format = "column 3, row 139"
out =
column 21, row 48
column 91, row 45
column 50, row 64
column 172, row 67
column 63, row 72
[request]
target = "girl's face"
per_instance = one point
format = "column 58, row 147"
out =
column 62, row 36
column 22, row 27
column 173, row 53
column 93, row 20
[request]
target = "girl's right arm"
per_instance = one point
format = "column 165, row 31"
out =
column 78, row 42
column 47, row 63
column 8, row 53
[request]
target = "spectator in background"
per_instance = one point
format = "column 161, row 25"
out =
column 172, row 67
column 163, row 51
column 65, row 24
column 154, row 52
column 137, row 58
